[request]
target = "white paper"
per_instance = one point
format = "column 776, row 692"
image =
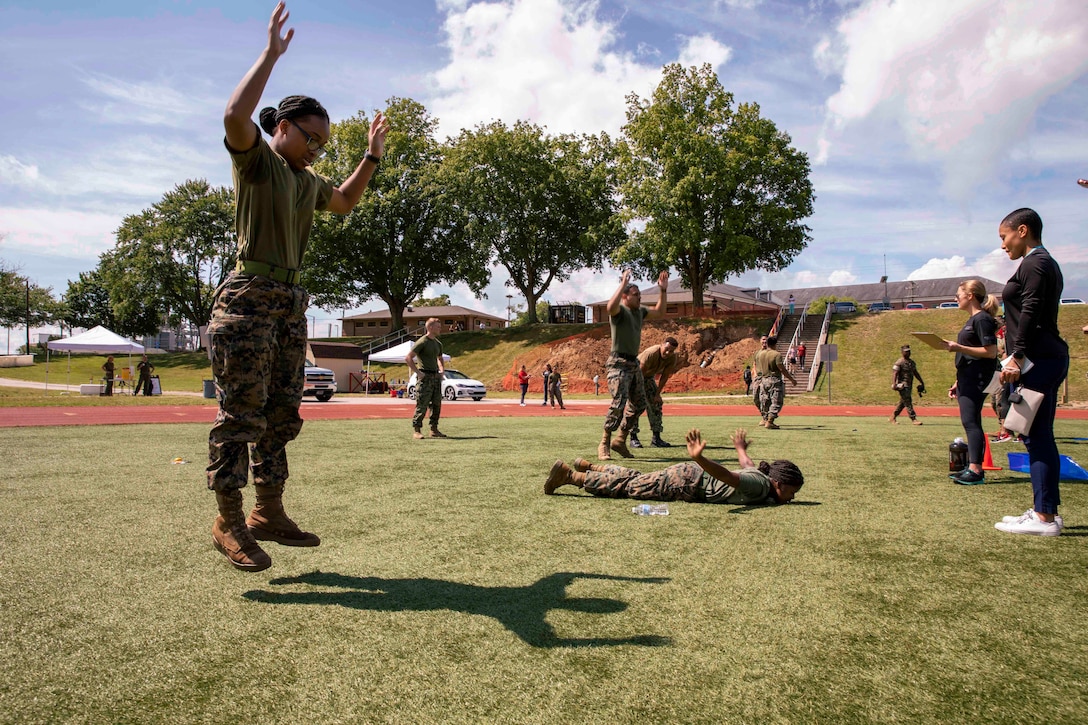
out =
column 1025, row 364
column 995, row 384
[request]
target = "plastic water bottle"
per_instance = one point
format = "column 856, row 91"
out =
column 645, row 509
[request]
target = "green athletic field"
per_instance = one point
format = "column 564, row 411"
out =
column 449, row 589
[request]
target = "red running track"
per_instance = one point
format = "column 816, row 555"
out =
column 387, row 408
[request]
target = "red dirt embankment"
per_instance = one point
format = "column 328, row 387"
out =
column 730, row 346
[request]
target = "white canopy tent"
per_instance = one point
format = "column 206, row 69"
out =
column 397, row 353
column 96, row 340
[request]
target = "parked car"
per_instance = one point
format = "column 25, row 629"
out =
column 841, row 307
column 914, row 306
column 320, row 382
column 1072, row 301
column 879, row 307
column 455, row 384
column 948, row 306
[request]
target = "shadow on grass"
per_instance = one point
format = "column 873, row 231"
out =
column 521, row 610
column 770, row 507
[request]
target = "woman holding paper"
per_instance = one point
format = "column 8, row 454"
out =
column 1038, row 361
column 976, row 362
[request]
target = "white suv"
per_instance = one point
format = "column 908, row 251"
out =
column 320, row 382
column 454, row 385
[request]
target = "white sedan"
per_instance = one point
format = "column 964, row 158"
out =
column 455, row 385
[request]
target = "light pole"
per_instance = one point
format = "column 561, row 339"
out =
column 509, row 308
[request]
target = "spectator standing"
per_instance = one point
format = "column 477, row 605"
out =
column 793, row 301
column 143, row 382
column 976, row 362
column 523, row 381
column 747, row 379
column 657, row 363
column 547, row 389
column 1031, row 298
column 428, row 349
column 801, row 356
column 625, row 317
column 596, row 384
column 108, row 368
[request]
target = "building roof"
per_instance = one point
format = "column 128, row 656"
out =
column 422, row 313
column 678, row 293
column 337, row 350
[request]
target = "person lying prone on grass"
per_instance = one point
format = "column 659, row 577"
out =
column 701, row 481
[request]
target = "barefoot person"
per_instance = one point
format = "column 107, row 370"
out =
column 702, row 481
column 257, row 333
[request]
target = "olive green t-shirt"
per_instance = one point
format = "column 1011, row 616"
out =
column 769, row 362
column 754, row 488
column 427, row 349
column 275, row 205
column 626, row 326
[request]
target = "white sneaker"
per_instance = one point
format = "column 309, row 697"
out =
column 1030, row 514
column 1030, row 525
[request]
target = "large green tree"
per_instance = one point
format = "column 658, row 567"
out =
column 169, row 258
column 545, row 206
column 87, row 302
column 710, row 189
column 404, row 235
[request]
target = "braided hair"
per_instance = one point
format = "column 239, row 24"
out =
column 783, row 471
column 290, row 107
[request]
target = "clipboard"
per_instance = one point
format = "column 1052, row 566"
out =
column 934, row 341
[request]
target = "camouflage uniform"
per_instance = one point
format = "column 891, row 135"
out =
column 681, row 482
column 653, row 364
column 257, row 340
column 428, row 394
column 905, row 371
column 555, row 386
column 628, row 390
column 771, row 390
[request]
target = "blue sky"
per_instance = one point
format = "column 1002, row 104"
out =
column 926, row 121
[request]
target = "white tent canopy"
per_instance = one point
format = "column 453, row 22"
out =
column 397, row 353
column 97, row 340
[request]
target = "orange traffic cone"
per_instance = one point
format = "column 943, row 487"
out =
column 988, row 459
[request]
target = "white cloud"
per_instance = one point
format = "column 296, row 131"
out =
column 963, row 79
column 552, row 62
column 841, row 277
column 68, row 232
column 994, row 265
column 15, row 173
column 704, row 49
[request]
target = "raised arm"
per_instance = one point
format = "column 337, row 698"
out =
column 241, row 131
column 348, row 194
column 617, row 296
column 696, row 446
column 663, row 289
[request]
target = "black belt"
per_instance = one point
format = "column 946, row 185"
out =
column 629, row 358
column 429, row 372
column 280, row 274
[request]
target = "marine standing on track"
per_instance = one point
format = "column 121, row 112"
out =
column 625, row 384
column 904, row 372
column 257, row 333
column 428, row 378
column 757, row 396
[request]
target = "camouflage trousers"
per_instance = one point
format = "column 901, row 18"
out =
column 628, row 390
column 905, row 401
column 428, row 395
column 757, row 393
column 257, row 343
column 682, row 482
column 772, row 393
column 654, row 406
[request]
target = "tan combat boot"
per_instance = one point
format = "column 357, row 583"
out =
column 417, row 433
column 582, row 465
column 561, row 475
column 232, row 537
column 435, row 433
column 269, row 522
column 602, row 449
column 619, row 444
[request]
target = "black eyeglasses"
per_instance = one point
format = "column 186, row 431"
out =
column 311, row 143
